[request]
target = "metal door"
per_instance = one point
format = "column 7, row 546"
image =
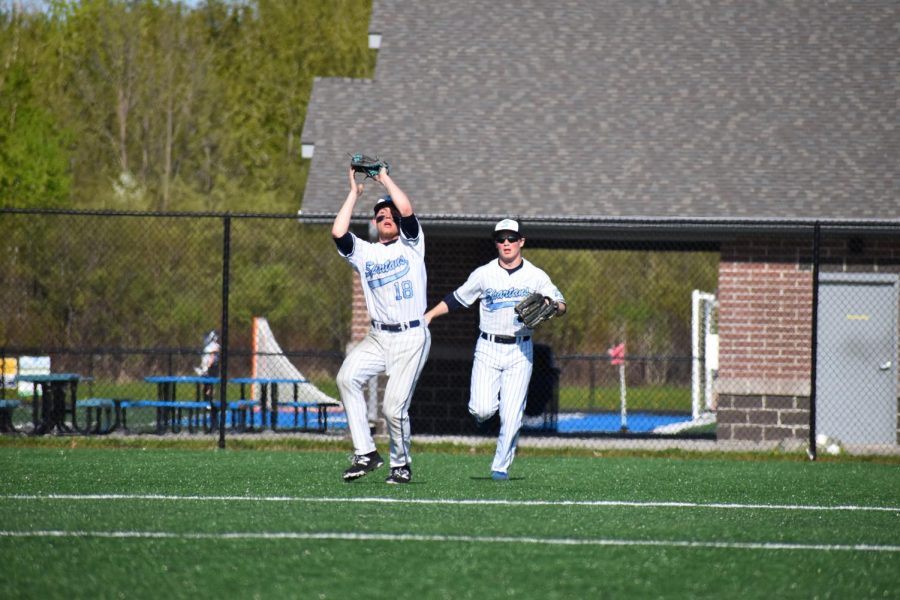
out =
column 856, row 383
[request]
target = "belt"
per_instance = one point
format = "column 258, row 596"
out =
column 395, row 328
column 504, row 339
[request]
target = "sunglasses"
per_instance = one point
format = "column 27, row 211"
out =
column 509, row 237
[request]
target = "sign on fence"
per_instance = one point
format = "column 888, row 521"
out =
column 8, row 371
column 32, row 365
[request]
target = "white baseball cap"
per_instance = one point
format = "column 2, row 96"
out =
column 507, row 225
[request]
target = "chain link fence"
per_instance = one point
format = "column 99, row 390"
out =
column 695, row 334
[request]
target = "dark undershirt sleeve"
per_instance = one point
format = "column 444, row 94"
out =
column 344, row 244
column 452, row 303
column 410, row 226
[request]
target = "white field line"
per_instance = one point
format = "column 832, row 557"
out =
column 408, row 537
column 459, row 502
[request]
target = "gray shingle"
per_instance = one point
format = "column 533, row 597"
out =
column 755, row 108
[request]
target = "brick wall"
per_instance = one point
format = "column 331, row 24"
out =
column 762, row 418
column 765, row 309
column 765, row 328
column 360, row 323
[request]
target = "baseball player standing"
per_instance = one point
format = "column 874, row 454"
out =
column 392, row 272
column 504, row 354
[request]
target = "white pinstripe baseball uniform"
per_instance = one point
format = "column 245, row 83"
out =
column 394, row 283
column 504, row 353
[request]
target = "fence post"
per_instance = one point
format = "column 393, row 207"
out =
column 90, row 374
column 591, row 399
column 223, row 371
column 3, row 372
column 817, row 234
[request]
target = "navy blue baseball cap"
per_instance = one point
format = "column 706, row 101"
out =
column 382, row 202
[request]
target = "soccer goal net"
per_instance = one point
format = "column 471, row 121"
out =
column 269, row 362
column 704, row 351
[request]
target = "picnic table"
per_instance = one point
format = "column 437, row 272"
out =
column 269, row 402
column 48, row 413
column 169, row 408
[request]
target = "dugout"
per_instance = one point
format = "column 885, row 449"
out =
column 542, row 406
column 441, row 403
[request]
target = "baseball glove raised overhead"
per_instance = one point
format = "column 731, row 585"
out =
column 535, row 309
column 367, row 165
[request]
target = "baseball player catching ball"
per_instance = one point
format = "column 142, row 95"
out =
column 504, row 353
column 392, row 272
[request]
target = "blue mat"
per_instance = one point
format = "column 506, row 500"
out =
column 638, row 422
column 601, row 422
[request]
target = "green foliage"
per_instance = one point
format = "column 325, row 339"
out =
column 292, row 275
column 165, row 106
column 33, row 143
column 80, row 281
column 638, row 297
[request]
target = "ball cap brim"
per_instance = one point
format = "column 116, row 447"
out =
column 507, row 225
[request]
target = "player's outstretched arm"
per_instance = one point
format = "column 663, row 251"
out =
column 401, row 200
column 342, row 220
column 440, row 309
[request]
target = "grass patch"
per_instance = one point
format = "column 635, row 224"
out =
column 572, row 398
column 655, row 398
column 293, row 443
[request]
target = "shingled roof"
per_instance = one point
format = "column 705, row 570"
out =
column 623, row 108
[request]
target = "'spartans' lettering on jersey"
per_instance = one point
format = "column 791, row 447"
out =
column 379, row 274
column 497, row 299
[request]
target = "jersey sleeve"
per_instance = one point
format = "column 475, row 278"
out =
column 410, row 227
column 358, row 251
column 547, row 288
column 411, row 234
column 344, row 244
column 469, row 292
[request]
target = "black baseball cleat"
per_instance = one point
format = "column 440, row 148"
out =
column 400, row 475
column 360, row 464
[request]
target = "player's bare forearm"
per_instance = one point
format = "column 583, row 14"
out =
column 437, row 311
column 560, row 309
column 401, row 200
column 342, row 220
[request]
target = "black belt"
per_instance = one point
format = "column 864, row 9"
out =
column 504, row 339
column 397, row 327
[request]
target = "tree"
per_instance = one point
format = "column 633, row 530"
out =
column 33, row 145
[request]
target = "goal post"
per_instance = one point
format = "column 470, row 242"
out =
column 704, row 351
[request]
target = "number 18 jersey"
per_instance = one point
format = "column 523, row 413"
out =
column 393, row 277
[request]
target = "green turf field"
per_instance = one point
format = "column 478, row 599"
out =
column 157, row 523
column 639, row 397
